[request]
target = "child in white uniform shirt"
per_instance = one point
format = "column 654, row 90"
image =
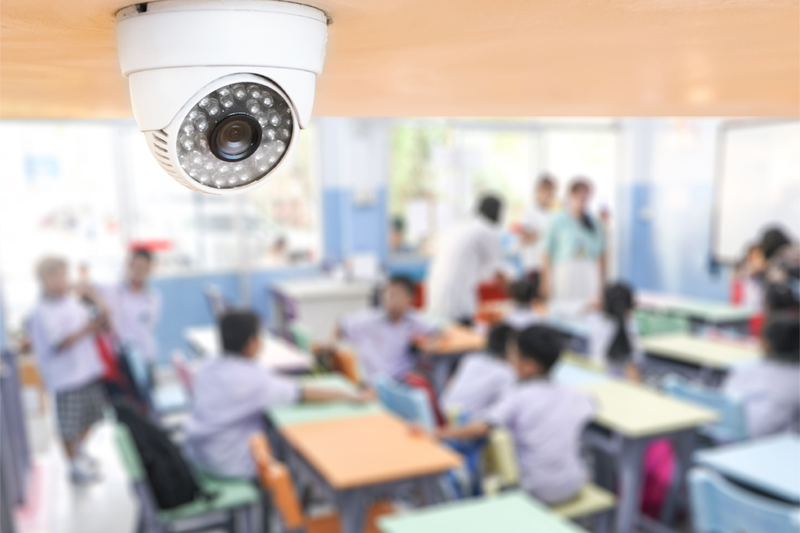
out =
column 481, row 378
column 546, row 420
column 383, row 337
column 527, row 304
column 770, row 388
column 230, row 396
column 135, row 308
column 63, row 337
column 612, row 333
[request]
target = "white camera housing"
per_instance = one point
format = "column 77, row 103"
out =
column 183, row 57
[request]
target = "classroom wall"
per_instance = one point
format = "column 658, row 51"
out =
column 666, row 201
column 184, row 303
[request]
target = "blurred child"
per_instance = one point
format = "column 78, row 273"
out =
column 612, row 333
column 230, row 395
column 780, row 298
column 383, row 337
column 527, row 304
column 770, row 388
column 63, row 337
column 481, row 378
column 546, row 420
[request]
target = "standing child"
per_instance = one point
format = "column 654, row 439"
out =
column 63, row 337
column 230, row 395
column 527, row 304
column 383, row 337
column 481, row 378
column 612, row 333
column 546, row 420
column 770, row 388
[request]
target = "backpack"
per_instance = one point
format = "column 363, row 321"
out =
column 171, row 480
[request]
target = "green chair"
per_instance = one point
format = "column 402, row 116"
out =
column 650, row 323
column 235, row 507
column 301, row 337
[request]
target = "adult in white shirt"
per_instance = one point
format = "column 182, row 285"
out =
column 534, row 224
column 135, row 308
column 468, row 254
column 63, row 338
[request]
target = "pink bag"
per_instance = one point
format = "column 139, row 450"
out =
column 659, row 473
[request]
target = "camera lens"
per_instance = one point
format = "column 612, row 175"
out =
column 236, row 137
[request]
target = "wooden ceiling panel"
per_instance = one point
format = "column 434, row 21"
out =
column 459, row 58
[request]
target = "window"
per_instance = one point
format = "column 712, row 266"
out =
column 440, row 168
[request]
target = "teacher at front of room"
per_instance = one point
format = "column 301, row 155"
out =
column 573, row 259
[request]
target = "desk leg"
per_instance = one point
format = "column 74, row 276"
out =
column 352, row 506
column 630, row 481
column 684, row 443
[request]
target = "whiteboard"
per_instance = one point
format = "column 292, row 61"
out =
column 758, row 183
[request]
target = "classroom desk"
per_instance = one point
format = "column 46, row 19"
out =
column 359, row 459
column 276, row 353
column 304, row 413
column 317, row 303
column 699, row 312
column 698, row 357
column 770, row 465
column 443, row 352
column 513, row 512
column 630, row 416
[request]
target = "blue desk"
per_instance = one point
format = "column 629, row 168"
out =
column 771, row 465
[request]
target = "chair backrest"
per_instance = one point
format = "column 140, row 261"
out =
column 300, row 337
column 719, row 506
column 732, row 424
column 183, row 371
column 656, row 323
column 407, row 402
column 345, row 363
column 277, row 481
column 502, row 457
column 216, row 301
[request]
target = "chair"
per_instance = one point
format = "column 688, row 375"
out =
column 501, row 461
column 719, row 506
column 732, row 424
column 216, row 301
column 277, row 481
column 345, row 363
column 406, row 402
column 590, row 502
column 653, row 323
column 300, row 337
column 234, row 508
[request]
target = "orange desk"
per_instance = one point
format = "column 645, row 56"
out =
column 444, row 350
column 364, row 458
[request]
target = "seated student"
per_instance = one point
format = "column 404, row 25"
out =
column 526, row 311
column 780, row 298
column 770, row 388
column 612, row 332
column 383, row 336
column 229, row 396
column 481, row 378
column 545, row 419
column 63, row 337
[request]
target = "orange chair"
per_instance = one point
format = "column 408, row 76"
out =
column 344, row 362
column 277, row 481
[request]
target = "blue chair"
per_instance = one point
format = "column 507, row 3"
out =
column 719, row 506
column 732, row 425
column 406, row 402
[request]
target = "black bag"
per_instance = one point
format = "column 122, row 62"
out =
column 172, row 481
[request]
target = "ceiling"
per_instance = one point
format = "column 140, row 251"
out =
column 459, row 58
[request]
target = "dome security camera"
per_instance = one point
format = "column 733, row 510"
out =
column 220, row 87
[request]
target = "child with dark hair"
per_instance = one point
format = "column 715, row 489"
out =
column 527, row 310
column 612, row 333
column 383, row 337
column 481, row 377
column 546, row 420
column 230, row 394
column 770, row 388
column 781, row 298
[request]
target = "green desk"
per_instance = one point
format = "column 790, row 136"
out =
column 697, row 311
column 510, row 513
column 303, row 413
